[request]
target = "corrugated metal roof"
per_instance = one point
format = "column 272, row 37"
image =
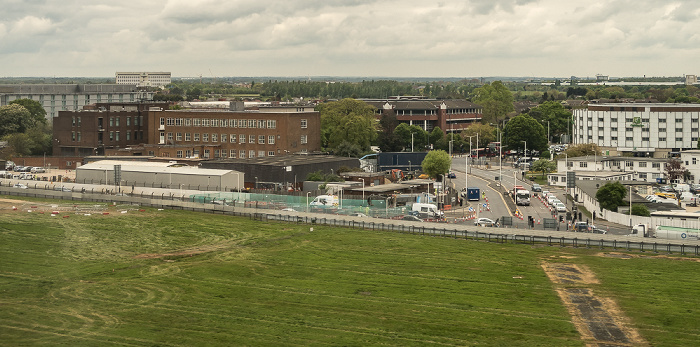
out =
column 153, row 167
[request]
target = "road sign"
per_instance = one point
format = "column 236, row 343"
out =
column 570, row 179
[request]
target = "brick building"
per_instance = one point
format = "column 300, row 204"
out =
column 234, row 134
column 101, row 127
column 448, row 115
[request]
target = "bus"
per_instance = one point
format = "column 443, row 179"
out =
column 479, row 153
column 493, row 149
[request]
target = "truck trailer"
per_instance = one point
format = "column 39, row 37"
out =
column 666, row 232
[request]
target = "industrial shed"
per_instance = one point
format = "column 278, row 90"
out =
column 288, row 170
column 160, row 175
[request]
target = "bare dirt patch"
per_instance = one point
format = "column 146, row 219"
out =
column 599, row 320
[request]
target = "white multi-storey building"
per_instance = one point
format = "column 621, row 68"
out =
column 144, row 79
column 648, row 129
column 71, row 97
column 609, row 168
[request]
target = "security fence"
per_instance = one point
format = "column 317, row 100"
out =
column 250, row 209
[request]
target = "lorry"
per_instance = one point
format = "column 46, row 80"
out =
column 666, row 232
column 324, row 201
column 521, row 196
column 426, row 211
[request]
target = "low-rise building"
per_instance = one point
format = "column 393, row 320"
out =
column 448, row 115
column 609, row 168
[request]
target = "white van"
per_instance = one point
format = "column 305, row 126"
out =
column 325, row 201
column 426, row 210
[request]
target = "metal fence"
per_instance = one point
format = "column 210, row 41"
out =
column 253, row 211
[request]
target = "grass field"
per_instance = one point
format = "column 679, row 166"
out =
column 174, row 278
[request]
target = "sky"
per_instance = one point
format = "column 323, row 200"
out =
column 357, row 38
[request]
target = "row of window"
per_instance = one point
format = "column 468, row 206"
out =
column 630, row 120
column 224, row 123
column 76, row 136
column 661, row 130
column 220, row 153
column 628, row 163
column 231, row 138
column 644, row 139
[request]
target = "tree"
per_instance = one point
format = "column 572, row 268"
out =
column 496, row 100
column 582, row 150
column 347, row 149
column 544, row 166
column 347, row 120
column 554, row 114
column 640, row 210
column 19, row 144
column 388, row 140
column 525, row 128
column 436, row 163
column 486, row 134
column 436, row 135
column 14, row 119
column 407, row 133
column 36, row 111
column 611, row 195
column 674, row 169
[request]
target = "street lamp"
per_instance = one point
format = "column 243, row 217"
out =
column 466, row 163
column 256, row 182
column 409, row 166
column 412, row 141
column 307, row 201
column 238, row 181
column 363, row 190
column 524, row 153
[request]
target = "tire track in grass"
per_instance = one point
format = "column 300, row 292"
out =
column 599, row 320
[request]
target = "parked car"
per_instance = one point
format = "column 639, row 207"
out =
column 536, row 187
column 20, row 185
column 411, row 218
column 485, row 222
column 358, row 214
column 560, row 207
column 38, row 170
column 451, row 175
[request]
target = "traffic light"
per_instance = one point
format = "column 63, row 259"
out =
column 561, row 218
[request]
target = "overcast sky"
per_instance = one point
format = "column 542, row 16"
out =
column 382, row 38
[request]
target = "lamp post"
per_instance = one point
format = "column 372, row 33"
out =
column 363, row 190
column 409, row 166
column 466, row 164
column 256, row 182
column 412, row 141
column 238, row 181
column 307, row 201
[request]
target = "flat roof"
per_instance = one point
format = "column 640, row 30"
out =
column 152, row 167
column 287, row 160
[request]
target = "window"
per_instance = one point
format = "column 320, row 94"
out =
column 215, row 122
column 662, row 120
column 694, row 120
column 232, row 153
column 303, row 123
column 241, row 138
column 128, row 135
column 679, row 130
column 72, row 135
column 111, row 121
column 271, row 153
column 643, row 176
column 73, row 121
column 162, row 121
column 188, row 122
column 251, row 154
column 642, row 164
column 600, row 138
column 197, row 122
column 271, row 139
column 629, row 138
column 261, row 139
column 662, row 130
column 241, row 154
column 224, row 154
column 613, row 129
column 694, row 161
column 679, row 120
column 234, row 124
column 205, row 137
column 128, row 121
column 116, row 121
column 600, row 119
column 179, row 154
column 662, row 139
column 303, row 139
column 614, row 120
column 214, row 137
column 251, row 138
column 251, row 123
column 628, row 163
column 242, row 123
column 111, row 135
column 261, row 154
column 206, row 122
column 188, row 137
column 224, row 137
column 224, row 123
column 679, row 139
column 628, row 129
column 217, row 153
column 655, row 165
column 613, row 138
column 645, row 139
column 582, row 164
column 232, row 137
column 79, row 121
column 261, row 124
column 178, row 136
column 196, row 137
column 272, row 124
column 206, row 153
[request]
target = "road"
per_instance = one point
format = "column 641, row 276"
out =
column 486, row 180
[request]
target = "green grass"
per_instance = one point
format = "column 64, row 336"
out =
column 219, row 280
